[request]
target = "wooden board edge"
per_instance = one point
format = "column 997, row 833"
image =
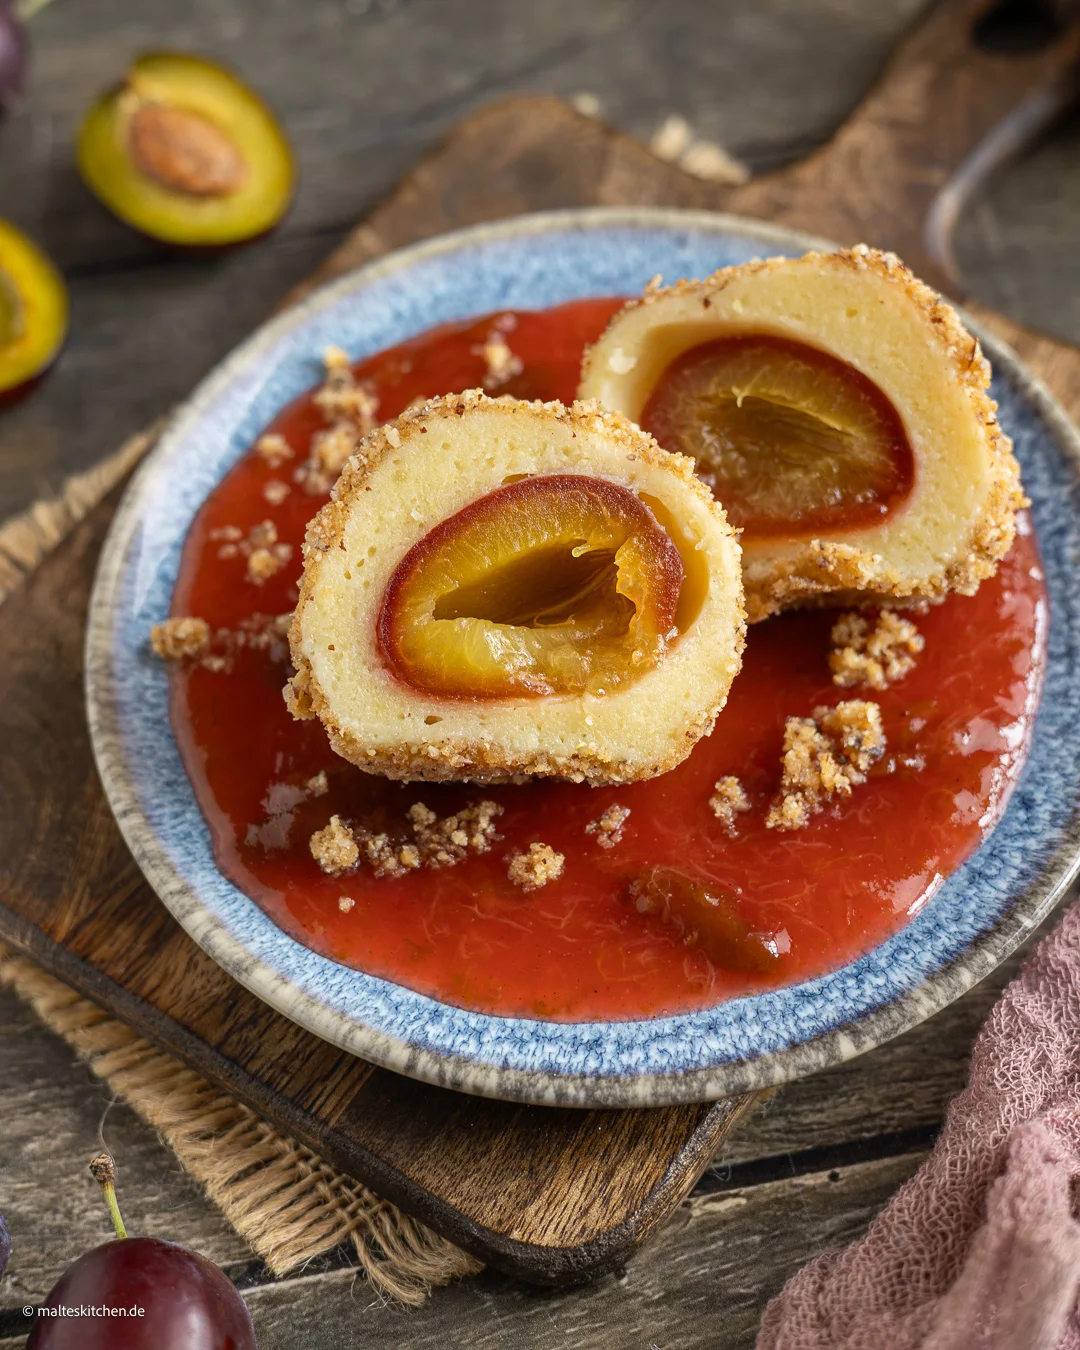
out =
column 527, row 1261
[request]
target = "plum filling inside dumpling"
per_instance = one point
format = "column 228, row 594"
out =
column 791, row 439
column 558, row 584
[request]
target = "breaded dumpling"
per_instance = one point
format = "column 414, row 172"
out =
column 500, row 588
column 837, row 408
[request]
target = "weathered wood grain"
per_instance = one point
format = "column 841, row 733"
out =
column 701, row 1287
column 363, row 90
column 623, row 171
column 55, row 1117
column 703, row 1280
column 363, row 86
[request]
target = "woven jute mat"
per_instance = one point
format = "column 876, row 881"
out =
column 285, row 1200
column 279, row 1195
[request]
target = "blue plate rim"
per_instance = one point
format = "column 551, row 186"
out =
column 461, row 1072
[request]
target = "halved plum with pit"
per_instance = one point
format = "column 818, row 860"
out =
column 557, row 584
column 33, row 313
column 185, row 152
column 790, row 439
column 705, row 915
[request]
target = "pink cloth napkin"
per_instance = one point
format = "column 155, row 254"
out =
column 980, row 1250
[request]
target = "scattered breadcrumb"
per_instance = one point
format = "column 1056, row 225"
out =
column 587, row 103
column 671, row 138
column 608, row 827
column 727, row 801
column 340, row 398
column 265, row 555
column 334, row 848
column 260, row 632
column 445, row 841
column 436, row 841
column 825, row 755
column 535, row 868
column 274, row 449
column 713, row 164
column 502, row 364
column 318, row 786
column 262, row 565
column 877, row 656
column 674, row 141
column 181, row 639
column 191, row 639
column 350, row 410
column 345, row 903
column 330, row 452
column 276, row 491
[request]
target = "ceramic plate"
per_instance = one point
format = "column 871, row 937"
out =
column 980, row 915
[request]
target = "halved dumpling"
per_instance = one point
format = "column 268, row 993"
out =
column 837, row 408
column 500, row 588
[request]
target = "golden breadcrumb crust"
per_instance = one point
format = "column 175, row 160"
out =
column 486, row 759
column 824, row 756
column 728, row 800
column 536, row 867
column 876, row 656
column 827, row 571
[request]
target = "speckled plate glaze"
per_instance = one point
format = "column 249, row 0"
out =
column 978, row 917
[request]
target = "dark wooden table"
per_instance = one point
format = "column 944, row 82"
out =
column 363, row 87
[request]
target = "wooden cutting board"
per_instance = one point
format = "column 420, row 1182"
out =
column 550, row 1195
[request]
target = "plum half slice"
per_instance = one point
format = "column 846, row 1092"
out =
column 557, row 584
column 33, row 313
column 186, row 153
column 789, row 438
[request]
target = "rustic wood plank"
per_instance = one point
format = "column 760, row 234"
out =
column 1016, row 246
column 363, row 87
column 702, row 1285
column 55, row 1116
column 623, row 170
column 767, row 79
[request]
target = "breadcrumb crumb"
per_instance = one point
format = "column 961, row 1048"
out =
column 502, row 364
column 436, row 841
column 877, row 656
column 330, row 452
column 274, row 449
column 345, row 903
column 265, row 555
column 335, row 848
column 276, row 491
column 318, row 786
column 535, row 868
column 608, row 827
column 825, row 756
column 181, row 639
column 444, row 842
column 340, row 398
column 727, row 801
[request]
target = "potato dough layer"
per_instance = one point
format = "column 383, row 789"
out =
column 865, row 308
column 429, row 464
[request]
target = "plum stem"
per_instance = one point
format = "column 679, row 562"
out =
column 103, row 1170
